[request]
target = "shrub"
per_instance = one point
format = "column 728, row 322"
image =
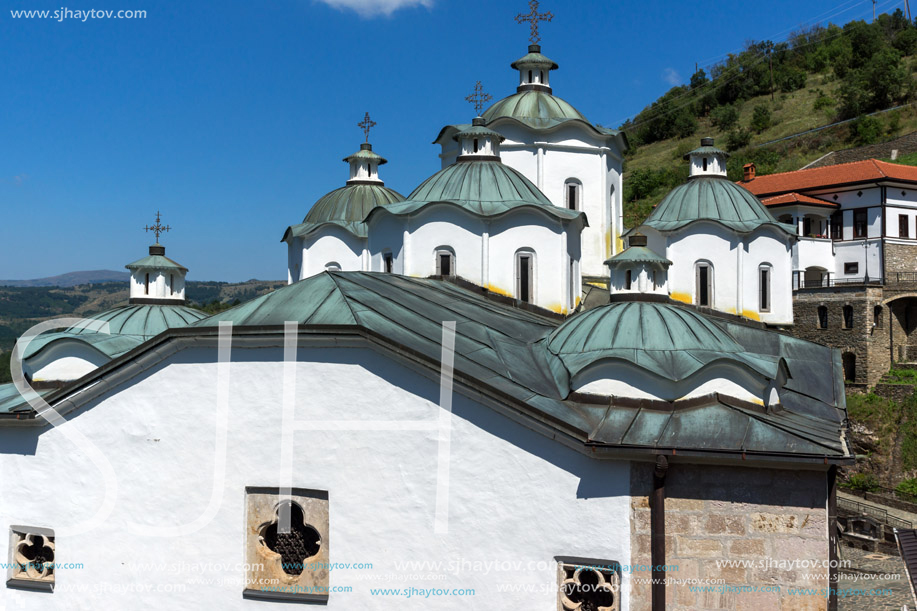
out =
column 761, row 118
column 792, row 79
column 822, row 101
column 908, row 487
column 737, row 138
column 725, row 117
column 862, row 481
column 865, row 130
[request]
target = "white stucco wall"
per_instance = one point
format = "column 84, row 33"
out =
column 331, row 244
column 164, row 284
column 514, row 495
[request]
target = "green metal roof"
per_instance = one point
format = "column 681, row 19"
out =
column 534, row 59
column 706, row 150
column 716, row 199
column 366, row 152
column 128, row 326
column 478, row 131
column 537, row 109
column 668, row 340
column 637, row 254
column 500, row 352
column 11, row 401
column 346, row 207
column 483, row 188
column 155, row 262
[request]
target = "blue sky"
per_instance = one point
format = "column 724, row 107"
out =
column 232, row 118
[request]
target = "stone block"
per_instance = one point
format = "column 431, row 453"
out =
column 699, row 548
column 747, row 547
column 774, row 523
column 757, row 601
column 680, row 504
column 718, row 524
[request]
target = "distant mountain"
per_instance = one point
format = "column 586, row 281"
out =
column 72, row 279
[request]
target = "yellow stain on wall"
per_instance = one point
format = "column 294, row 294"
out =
column 598, row 285
column 499, row 291
column 557, row 308
column 751, row 314
column 682, row 297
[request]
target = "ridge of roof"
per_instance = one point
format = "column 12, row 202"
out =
column 853, row 172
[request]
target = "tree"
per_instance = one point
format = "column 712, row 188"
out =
column 725, row 117
column 699, row 78
column 761, row 118
column 865, row 130
column 737, row 138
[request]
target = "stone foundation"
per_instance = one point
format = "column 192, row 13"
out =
column 772, row 519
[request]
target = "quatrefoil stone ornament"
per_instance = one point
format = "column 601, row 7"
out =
column 589, row 589
column 31, row 560
column 295, row 546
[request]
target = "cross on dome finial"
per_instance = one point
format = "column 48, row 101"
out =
column 478, row 98
column 534, row 17
column 366, row 124
column 158, row 228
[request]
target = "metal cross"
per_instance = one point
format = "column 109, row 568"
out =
column 157, row 228
column 366, row 124
column 478, row 98
column 533, row 18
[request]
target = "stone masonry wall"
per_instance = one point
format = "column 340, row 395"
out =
column 870, row 343
column 762, row 516
column 904, row 145
column 900, row 258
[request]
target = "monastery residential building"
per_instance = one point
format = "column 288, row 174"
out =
column 426, row 416
column 854, row 275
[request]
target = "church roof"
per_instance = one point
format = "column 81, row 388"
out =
column 155, row 262
column 500, row 354
column 484, row 188
column 367, row 153
column 128, row 327
column 534, row 59
column 637, row 254
column 478, row 131
column 346, row 207
column 716, row 199
column 668, row 340
column 537, row 109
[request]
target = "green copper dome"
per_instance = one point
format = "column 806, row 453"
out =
column 484, row 188
column 668, row 340
column 716, row 199
column 537, row 109
column 346, row 207
column 128, row 327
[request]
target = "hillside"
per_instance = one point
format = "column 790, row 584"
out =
column 23, row 307
column 854, row 85
column 72, row 279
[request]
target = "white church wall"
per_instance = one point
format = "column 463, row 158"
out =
column 294, row 260
column 63, row 360
column 444, row 225
column 504, row 478
column 644, row 278
column 613, row 377
column 159, row 287
column 386, row 236
column 768, row 247
column 534, row 232
column 865, row 255
column 704, row 242
column 331, row 244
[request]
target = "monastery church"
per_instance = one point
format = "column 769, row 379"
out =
column 431, row 389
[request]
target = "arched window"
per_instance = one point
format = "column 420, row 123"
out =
column 705, row 164
column 764, row 287
column 849, row 361
column 703, row 295
column 573, row 189
column 445, row 262
column 475, row 145
column 333, row 266
column 848, row 317
column 541, row 76
column 171, row 284
column 388, row 262
column 525, row 276
column 146, row 284
column 877, row 316
column 530, row 76
column 627, row 280
column 822, row 317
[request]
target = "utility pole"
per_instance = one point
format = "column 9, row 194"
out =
column 770, row 63
column 907, row 6
column 873, row 10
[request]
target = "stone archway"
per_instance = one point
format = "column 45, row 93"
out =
column 902, row 314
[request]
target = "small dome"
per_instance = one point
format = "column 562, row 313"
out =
column 669, row 340
column 346, row 207
column 714, row 199
column 128, row 326
column 537, row 109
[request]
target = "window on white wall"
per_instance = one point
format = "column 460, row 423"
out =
column 704, row 282
column 628, row 278
column 333, row 266
column 146, row 285
column 573, row 193
column 903, row 226
column 387, row 262
column 764, row 288
column 445, row 262
column 525, row 276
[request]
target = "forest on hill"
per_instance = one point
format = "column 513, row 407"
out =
column 755, row 99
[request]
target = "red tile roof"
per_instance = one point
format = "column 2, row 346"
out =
column 796, row 198
column 870, row 170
